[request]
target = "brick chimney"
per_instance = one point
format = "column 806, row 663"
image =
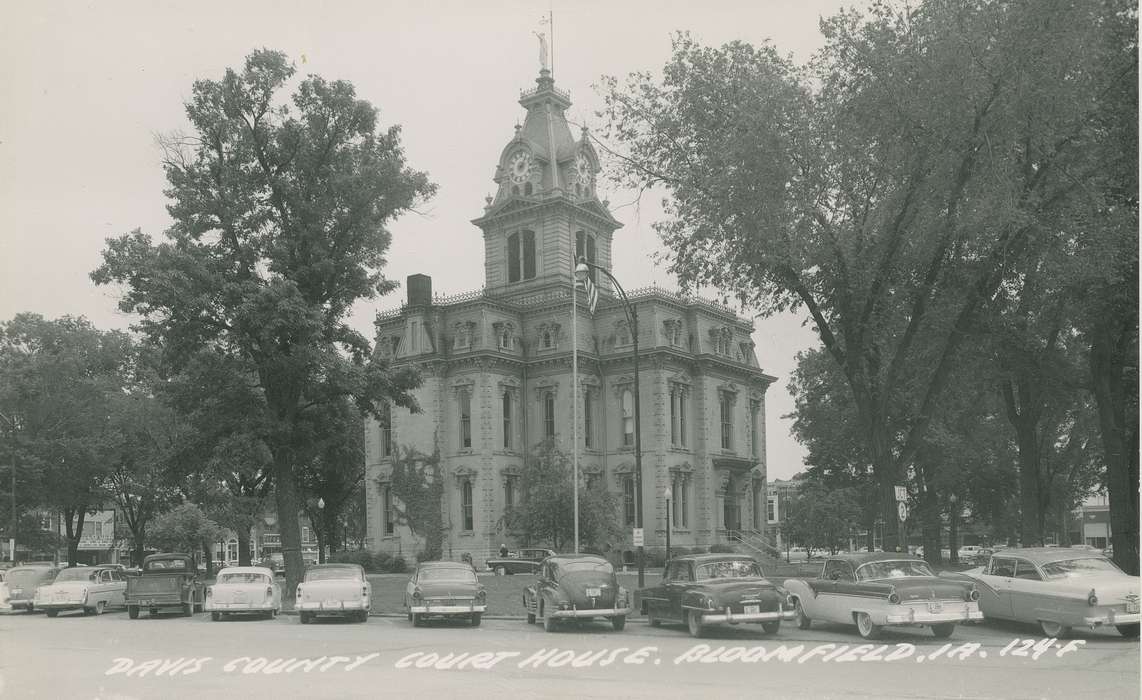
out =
column 419, row 290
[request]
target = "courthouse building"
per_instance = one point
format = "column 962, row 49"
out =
column 496, row 365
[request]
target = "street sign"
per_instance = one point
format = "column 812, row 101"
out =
column 638, row 542
column 902, row 511
column 901, row 493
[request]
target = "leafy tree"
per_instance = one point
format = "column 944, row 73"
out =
column 547, row 513
column 57, row 378
column 280, row 210
column 417, row 483
column 184, row 528
column 820, row 517
column 334, row 476
column 888, row 189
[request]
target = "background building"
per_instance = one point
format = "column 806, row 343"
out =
column 497, row 369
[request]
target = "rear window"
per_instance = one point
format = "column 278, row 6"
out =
column 333, row 574
column 76, row 575
column 447, row 574
column 167, row 565
column 602, row 567
column 733, row 568
column 244, row 578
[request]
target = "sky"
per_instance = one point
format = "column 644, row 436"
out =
column 87, row 86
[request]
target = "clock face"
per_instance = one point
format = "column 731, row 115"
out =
column 583, row 168
column 519, row 166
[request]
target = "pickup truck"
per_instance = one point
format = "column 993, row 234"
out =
column 166, row 581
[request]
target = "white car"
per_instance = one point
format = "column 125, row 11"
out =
column 334, row 589
column 92, row 589
column 244, row 590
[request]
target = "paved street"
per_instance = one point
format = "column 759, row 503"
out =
column 111, row 657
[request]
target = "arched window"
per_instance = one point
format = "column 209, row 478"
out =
column 466, row 505
column 521, row 256
column 527, row 189
column 628, row 418
column 465, row 419
column 547, row 339
column 588, row 419
column 585, row 248
column 386, row 420
column 507, row 415
column 628, row 500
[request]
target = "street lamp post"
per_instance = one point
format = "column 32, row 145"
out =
column 13, row 425
column 668, row 514
column 953, row 530
column 582, row 270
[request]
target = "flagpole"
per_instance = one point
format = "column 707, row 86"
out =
column 575, row 403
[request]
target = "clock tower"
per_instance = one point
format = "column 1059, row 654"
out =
column 546, row 212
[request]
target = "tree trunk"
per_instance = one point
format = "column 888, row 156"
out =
column 1023, row 414
column 244, row 553
column 208, row 559
column 74, row 531
column 320, row 545
column 954, row 534
column 930, row 524
column 140, row 549
column 1119, row 429
column 288, row 506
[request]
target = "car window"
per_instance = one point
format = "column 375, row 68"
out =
column 465, row 575
column 1001, row 566
column 333, row 573
column 896, row 568
column 733, row 568
column 1024, row 569
column 602, row 567
column 837, row 570
column 244, row 578
column 679, row 571
column 1073, row 568
column 105, row 577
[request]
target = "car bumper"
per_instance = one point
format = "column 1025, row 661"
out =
column 155, row 602
column 238, row 607
column 597, row 612
column 13, row 605
column 329, row 606
column 927, row 617
column 61, row 605
column 447, row 609
column 1113, row 619
column 733, row 618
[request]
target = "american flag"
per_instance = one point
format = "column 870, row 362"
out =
column 592, row 294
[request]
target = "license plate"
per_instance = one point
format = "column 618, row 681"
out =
column 144, row 602
column 1132, row 607
column 332, row 604
column 935, row 607
column 593, row 592
column 752, row 609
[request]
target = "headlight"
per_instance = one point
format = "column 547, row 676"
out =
column 1091, row 598
column 973, row 595
column 416, row 594
column 894, row 598
column 481, row 596
column 708, row 602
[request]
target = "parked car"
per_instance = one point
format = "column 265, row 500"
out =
column 166, row 581
column 92, row 589
column 22, row 582
column 524, row 561
column 1057, row 588
column 883, row 589
column 244, row 590
column 715, row 589
column 340, row 590
column 576, row 587
column 444, row 589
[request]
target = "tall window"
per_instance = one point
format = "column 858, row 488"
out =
column 585, row 248
column 465, row 419
column 628, row 500
column 388, row 517
column 727, row 410
column 521, row 256
column 511, row 490
column 413, row 336
column 677, row 416
column 386, row 421
column 507, row 413
column 679, row 507
column 628, row 418
column 754, row 434
column 549, row 414
column 588, row 419
column 771, row 508
column 466, row 505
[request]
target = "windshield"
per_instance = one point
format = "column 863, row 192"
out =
column 167, row 565
column 244, row 578
column 18, row 577
column 735, row 568
column 447, row 574
column 77, row 574
column 333, row 574
column 893, row 569
column 601, row 567
column 1073, row 568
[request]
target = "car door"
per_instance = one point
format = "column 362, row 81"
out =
column 1028, row 592
column 681, row 580
column 119, row 594
column 842, row 591
column 544, row 582
column 102, row 589
column 995, row 587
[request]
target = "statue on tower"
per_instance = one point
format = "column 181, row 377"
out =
column 542, row 50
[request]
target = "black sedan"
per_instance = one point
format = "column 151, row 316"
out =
column 576, row 587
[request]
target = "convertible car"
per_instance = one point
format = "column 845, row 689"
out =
column 576, row 587
column 334, row 589
column 244, row 589
column 92, row 589
column 883, row 589
column 715, row 589
column 445, row 589
column 1057, row 588
column 524, row 561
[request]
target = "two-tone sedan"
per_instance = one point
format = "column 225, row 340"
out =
column 1058, row 588
column 715, row 589
column 576, row 587
column 445, row 589
column 91, row 589
column 338, row 590
column 22, row 582
column 244, row 590
column 881, row 590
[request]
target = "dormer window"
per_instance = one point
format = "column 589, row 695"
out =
column 521, row 256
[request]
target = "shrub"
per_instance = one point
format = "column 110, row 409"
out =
column 397, row 565
column 720, row 548
column 362, row 557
